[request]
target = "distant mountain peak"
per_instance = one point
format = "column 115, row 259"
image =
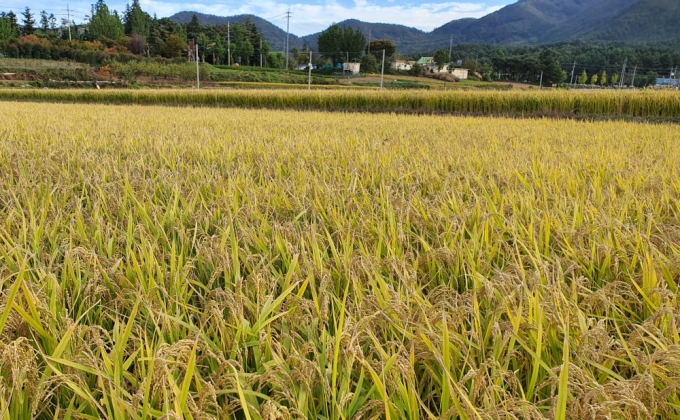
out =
column 523, row 22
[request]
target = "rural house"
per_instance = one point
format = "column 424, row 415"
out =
column 429, row 65
column 403, row 65
column 351, row 68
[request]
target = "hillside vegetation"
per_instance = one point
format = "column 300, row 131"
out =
column 524, row 22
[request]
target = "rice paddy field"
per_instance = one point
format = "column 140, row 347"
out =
column 210, row 263
column 602, row 105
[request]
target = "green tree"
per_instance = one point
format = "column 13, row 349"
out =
column 441, row 58
column 29, row 22
column 593, row 80
column 416, row 70
column 245, row 51
column 583, row 78
column 203, row 42
column 12, row 18
column 219, row 50
column 330, row 43
column 136, row 20
column 551, row 68
column 353, row 42
column 173, row 47
column 340, row 44
column 264, row 51
column 7, row 31
column 44, row 21
column 615, row 79
column 603, row 79
column 500, row 62
column 303, row 58
column 376, row 48
column 104, row 24
column 369, row 64
column 650, row 80
column 276, row 60
column 194, row 28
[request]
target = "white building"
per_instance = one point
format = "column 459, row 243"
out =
column 460, row 73
column 351, row 68
column 403, row 65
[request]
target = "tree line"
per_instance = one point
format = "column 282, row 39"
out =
column 134, row 32
column 575, row 62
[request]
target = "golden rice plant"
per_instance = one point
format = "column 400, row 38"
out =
column 210, row 263
column 663, row 105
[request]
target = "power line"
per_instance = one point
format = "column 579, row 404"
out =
column 276, row 17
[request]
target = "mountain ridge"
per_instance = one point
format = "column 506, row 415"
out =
column 526, row 22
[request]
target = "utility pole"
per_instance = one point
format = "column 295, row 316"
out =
column 198, row 79
column 573, row 73
column 309, row 80
column 450, row 47
column 541, row 86
column 260, row 50
column 287, row 37
column 623, row 72
column 382, row 71
column 68, row 13
column 634, row 73
column 228, row 44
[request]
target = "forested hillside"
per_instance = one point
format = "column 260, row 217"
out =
column 526, row 22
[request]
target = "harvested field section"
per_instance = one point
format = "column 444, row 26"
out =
column 214, row 263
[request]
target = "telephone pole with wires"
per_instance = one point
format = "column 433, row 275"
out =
column 287, row 37
column 198, row 79
column 309, row 80
column 228, row 43
column 623, row 72
column 382, row 71
column 632, row 83
column 68, row 14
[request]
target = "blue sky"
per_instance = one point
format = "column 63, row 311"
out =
column 309, row 16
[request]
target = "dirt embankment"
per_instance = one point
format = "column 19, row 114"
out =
column 23, row 77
